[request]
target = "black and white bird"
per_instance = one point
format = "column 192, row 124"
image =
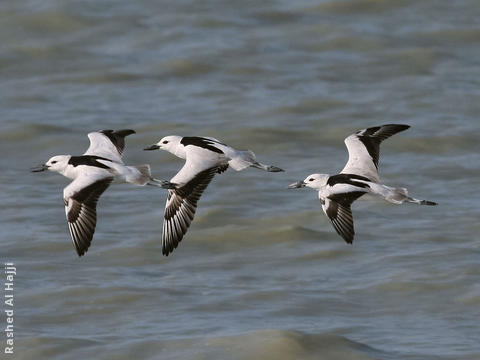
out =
column 92, row 173
column 204, row 157
column 358, row 177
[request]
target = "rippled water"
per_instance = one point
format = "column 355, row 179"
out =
column 261, row 273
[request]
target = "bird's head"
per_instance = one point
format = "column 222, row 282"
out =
column 56, row 163
column 168, row 143
column 314, row 181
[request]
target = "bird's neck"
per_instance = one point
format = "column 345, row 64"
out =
column 179, row 151
column 69, row 171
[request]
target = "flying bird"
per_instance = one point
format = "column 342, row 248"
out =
column 92, row 173
column 204, row 157
column 358, row 177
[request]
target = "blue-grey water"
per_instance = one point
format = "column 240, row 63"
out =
column 261, row 273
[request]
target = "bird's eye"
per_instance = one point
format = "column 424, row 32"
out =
column 54, row 161
column 311, row 179
column 165, row 142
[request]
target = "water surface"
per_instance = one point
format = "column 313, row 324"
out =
column 261, row 274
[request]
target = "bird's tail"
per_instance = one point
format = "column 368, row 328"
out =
column 397, row 195
column 142, row 175
column 401, row 194
column 244, row 159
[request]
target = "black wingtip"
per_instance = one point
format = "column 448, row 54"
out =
column 124, row 132
column 81, row 252
column 398, row 127
column 118, row 137
column 81, row 248
column 120, row 133
column 348, row 240
column 167, row 250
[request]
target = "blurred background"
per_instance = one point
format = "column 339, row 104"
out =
column 261, row 274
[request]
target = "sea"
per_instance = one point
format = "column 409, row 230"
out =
column 261, row 273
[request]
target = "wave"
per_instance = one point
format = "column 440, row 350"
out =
column 260, row 344
column 358, row 6
column 29, row 131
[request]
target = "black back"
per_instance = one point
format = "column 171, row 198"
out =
column 348, row 179
column 201, row 142
column 89, row 160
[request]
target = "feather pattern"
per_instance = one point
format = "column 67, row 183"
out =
column 364, row 149
column 181, row 206
column 81, row 210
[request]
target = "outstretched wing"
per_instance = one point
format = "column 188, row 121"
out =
column 180, row 208
column 108, row 144
column 364, row 149
column 337, row 208
column 80, row 199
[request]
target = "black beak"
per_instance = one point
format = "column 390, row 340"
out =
column 39, row 168
column 298, row 184
column 152, row 147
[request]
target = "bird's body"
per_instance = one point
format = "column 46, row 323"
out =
column 92, row 173
column 204, row 157
column 358, row 177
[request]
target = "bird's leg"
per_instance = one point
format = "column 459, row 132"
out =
column 164, row 184
column 269, row 168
